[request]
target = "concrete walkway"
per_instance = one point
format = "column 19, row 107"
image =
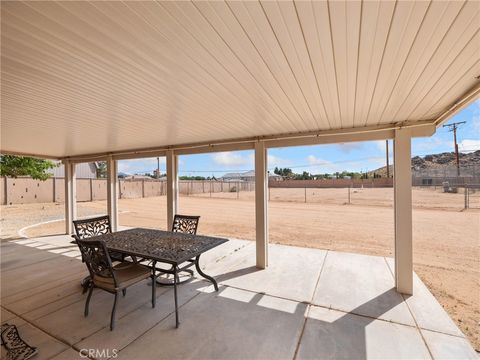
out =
column 309, row 304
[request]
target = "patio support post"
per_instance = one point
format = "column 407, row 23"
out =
column 172, row 187
column 112, row 192
column 403, row 212
column 261, row 205
column 70, row 196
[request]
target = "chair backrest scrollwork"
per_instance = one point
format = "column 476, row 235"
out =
column 87, row 228
column 95, row 255
column 186, row 224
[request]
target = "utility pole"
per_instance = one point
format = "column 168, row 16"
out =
column 158, row 168
column 388, row 162
column 453, row 128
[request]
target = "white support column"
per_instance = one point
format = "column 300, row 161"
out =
column 112, row 192
column 172, row 187
column 403, row 212
column 70, row 196
column 261, row 205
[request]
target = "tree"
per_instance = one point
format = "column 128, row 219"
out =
column 304, row 176
column 285, row 172
column 101, row 169
column 14, row 166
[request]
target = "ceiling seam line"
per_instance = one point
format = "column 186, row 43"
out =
column 453, row 85
column 443, row 73
column 234, row 97
column 358, row 60
column 426, row 66
column 241, row 86
column 430, row 59
column 245, row 67
column 288, row 62
column 381, row 62
column 311, row 65
column 334, row 63
column 268, row 67
column 298, row 59
column 404, row 62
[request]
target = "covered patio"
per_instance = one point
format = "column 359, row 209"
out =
column 108, row 81
column 309, row 304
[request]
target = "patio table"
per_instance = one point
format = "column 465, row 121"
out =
column 162, row 246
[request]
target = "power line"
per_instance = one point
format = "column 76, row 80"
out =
column 329, row 163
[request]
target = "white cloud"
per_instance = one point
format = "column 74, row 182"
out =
column 313, row 160
column 231, row 158
column 431, row 144
column 274, row 161
column 476, row 116
column 140, row 165
column 325, row 166
column 469, row 145
column 350, row 146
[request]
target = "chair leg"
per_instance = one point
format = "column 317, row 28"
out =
column 112, row 320
column 124, row 292
column 87, row 303
column 175, row 295
column 154, row 285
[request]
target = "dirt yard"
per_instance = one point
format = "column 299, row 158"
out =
column 446, row 239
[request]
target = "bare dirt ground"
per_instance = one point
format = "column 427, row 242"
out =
column 446, row 239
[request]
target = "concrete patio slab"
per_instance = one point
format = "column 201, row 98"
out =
column 136, row 323
column 292, row 272
column 22, row 303
column 367, row 288
column 35, row 337
column 428, row 313
column 69, row 354
column 256, row 313
column 331, row 334
column 6, row 315
column 234, row 324
column 59, row 323
column 443, row 346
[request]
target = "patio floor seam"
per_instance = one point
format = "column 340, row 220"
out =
column 411, row 312
column 418, row 327
column 323, row 307
column 157, row 323
column 36, row 287
column 29, row 264
column 309, row 306
column 44, row 331
column 126, row 314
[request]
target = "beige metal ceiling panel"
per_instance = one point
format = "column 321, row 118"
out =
column 403, row 30
column 315, row 22
column 94, row 77
column 460, row 32
column 375, row 29
column 284, row 21
column 258, row 30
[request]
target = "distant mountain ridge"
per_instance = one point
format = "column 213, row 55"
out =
column 436, row 161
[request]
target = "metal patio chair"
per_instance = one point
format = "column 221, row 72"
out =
column 112, row 279
column 87, row 228
column 186, row 224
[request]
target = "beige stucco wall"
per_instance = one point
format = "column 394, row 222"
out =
column 99, row 189
column 27, row 190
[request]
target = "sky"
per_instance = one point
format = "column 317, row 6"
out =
column 317, row 159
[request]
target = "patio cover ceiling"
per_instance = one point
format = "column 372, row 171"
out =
column 84, row 78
